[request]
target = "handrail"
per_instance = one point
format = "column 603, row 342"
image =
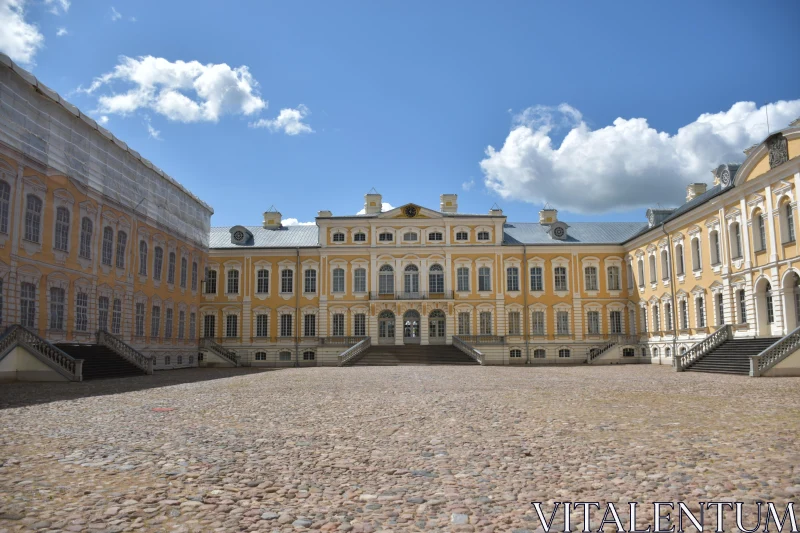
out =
column 699, row 350
column 592, row 355
column 411, row 295
column 341, row 340
column 220, row 350
column 613, row 340
column 776, row 353
column 482, row 339
column 125, row 351
column 468, row 349
column 354, row 351
column 59, row 360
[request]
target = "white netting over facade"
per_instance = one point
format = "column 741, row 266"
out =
column 37, row 122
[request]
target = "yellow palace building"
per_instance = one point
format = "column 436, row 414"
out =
column 100, row 248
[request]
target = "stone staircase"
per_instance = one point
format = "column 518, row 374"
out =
column 732, row 356
column 392, row 355
column 100, row 362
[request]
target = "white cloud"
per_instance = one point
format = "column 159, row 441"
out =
column 385, row 206
column 181, row 91
column 295, row 222
column 19, row 40
column 62, row 32
column 115, row 15
column 468, row 185
column 103, row 120
column 57, row 7
column 625, row 165
column 289, row 120
column 151, row 131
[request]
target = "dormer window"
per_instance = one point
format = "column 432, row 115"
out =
column 241, row 235
column 385, row 237
column 410, row 236
column 338, row 237
column 360, row 237
column 435, row 236
column 483, row 235
column 462, row 236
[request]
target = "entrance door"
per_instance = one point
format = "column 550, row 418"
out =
column 411, row 327
column 411, row 282
column 386, row 328
column 436, row 327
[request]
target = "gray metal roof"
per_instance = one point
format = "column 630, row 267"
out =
column 285, row 237
column 577, row 233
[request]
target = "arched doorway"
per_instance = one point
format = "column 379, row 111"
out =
column 411, row 327
column 436, row 327
column 791, row 300
column 386, row 327
column 765, row 308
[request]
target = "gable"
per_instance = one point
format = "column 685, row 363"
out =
column 410, row 211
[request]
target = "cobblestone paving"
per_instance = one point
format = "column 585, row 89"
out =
column 402, row 448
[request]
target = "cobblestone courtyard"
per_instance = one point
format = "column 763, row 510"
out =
column 399, row 448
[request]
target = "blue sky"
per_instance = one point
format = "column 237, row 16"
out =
column 407, row 97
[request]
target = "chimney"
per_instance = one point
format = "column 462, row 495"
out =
column 495, row 211
column 448, row 203
column 548, row 215
column 324, row 214
column 272, row 219
column 372, row 202
column 694, row 190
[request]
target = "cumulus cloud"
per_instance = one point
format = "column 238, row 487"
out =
column 295, row 222
column 58, row 7
column 103, row 120
column 62, row 32
column 19, row 40
column 468, row 185
column 625, row 165
column 181, row 91
column 290, row 121
column 385, row 206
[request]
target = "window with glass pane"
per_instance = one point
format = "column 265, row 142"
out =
column 410, row 236
column 484, row 279
column 684, row 315
column 5, row 202
column 462, row 279
column 742, row 306
column 181, row 324
column 33, row 218
column 139, row 320
column 61, row 238
column 57, row 299
column 656, row 318
column 171, row 269
column 591, row 278
column 287, row 281
column 261, row 356
column 789, row 222
column 514, row 323
column 116, row 317
column 262, row 325
column 108, row 246
column 192, row 326
column 338, row 325
column 667, row 316
column 770, row 308
column 385, row 237
column 436, row 279
column 85, row 249
column 512, row 279
column 360, row 325
column 184, row 271
column 233, row 282
column 539, row 353
column 285, row 356
column 310, row 281
column 562, row 323
column 194, row 275
column 102, row 313
column 262, row 281
column 515, row 353
column 122, row 242
column 28, row 305
column 360, row 280
column 360, row 237
column 720, row 310
column 537, row 322
column 701, row 313
column 338, row 237
column 231, row 326
column 761, row 245
column 641, row 272
column 155, row 321
column 286, row 325
column 485, row 323
column 338, row 280
column 158, row 261
column 462, row 236
column 560, row 278
column 593, row 322
column 310, row 325
column 435, row 236
column 81, row 311
column 613, row 278
column 309, row 355
column 564, row 352
column 483, row 235
column 386, row 280
column 463, row 323
column 211, row 281
column 142, row 258
column 209, row 326
column 615, row 324
column 537, row 282
column 168, row 316
column 629, row 271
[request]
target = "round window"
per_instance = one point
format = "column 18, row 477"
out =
column 238, row 235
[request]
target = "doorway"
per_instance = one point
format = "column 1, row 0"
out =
column 411, row 327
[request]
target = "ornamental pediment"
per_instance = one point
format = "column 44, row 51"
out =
column 410, row 211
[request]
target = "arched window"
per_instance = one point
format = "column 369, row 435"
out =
column 736, row 240
column 411, row 280
column 590, row 275
column 338, row 280
column 679, row 260
column 435, row 236
column 483, row 235
column 158, row 262
column 386, row 280
column 760, row 236
column 142, row 258
column 385, row 237
column 85, row 249
column 655, row 351
column 410, row 236
column 122, row 241
column 564, row 352
column 232, row 286
column 285, row 355
column 539, row 353
column 33, row 218
column 61, row 240
column 515, row 353
column 664, row 265
column 613, row 278
column 696, row 259
column 309, row 355
column 641, row 272
column 713, row 239
column 436, row 279
column 338, row 237
column 360, row 237
column 171, row 269
column 108, row 246
column 5, row 203
column 261, row 356
column 653, row 275
column 667, row 352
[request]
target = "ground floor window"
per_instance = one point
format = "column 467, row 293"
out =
column 463, row 324
column 167, row 360
column 360, row 325
column 628, row 352
column 539, row 353
column 310, row 325
column 262, row 325
column 286, row 325
column 261, row 356
column 513, row 323
column 564, row 352
column 516, row 353
column 232, row 326
column 309, row 355
column 338, row 325
column 209, row 325
column 485, row 323
column 615, row 322
column 285, row 356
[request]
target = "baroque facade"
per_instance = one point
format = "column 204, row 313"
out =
column 93, row 236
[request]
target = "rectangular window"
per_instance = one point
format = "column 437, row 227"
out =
column 286, row 325
column 232, row 326
column 85, row 247
column 514, row 323
column 562, row 323
column 211, row 281
column 360, row 325
column 155, row 321
column 338, row 280
column 181, row 324
column 591, row 278
column 616, row 322
column 194, row 275
column 122, row 241
column 61, row 238
column 192, row 326
column 537, row 321
column 512, row 279
column 463, row 323
column 536, row 279
column 485, row 323
column 33, row 218
column 742, row 306
column 81, row 312
column 310, row 326
column 168, row 316
column 261, row 356
column 108, row 246
column 28, row 305
column 116, row 317
column 701, row 313
column 360, row 280
column 593, row 322
column 184, row 271
column 285, row 356
column 142, row 258
column 560, row 278
column 462, row 278
column 287, row 281
column 233, row 282
column 262, row 325
column 139, row 321
column 262, row 281
column 102, row 313
column 338, row 325
column 613, row 279
column 158, row 261
column 484, row 279
column 57, row 298
column 684, row 316
column 310, row 281
column 170, row 269
column 209, row 326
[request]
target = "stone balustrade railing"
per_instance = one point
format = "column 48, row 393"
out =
column 482, row 339
column 208, row 344
column 699, row 350
column 104, row 338
column 775, row 354
column 58, row 360
column 354, row 351
column 468, row 349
